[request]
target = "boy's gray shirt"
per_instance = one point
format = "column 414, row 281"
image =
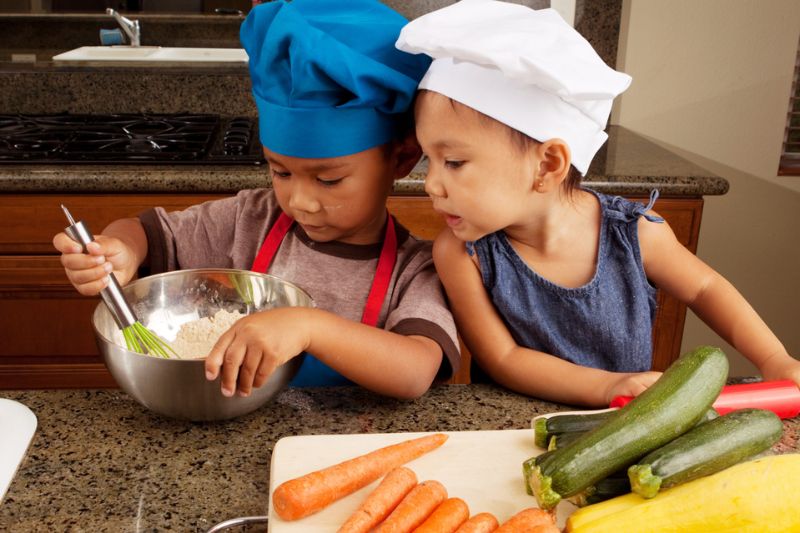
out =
column 228, row 233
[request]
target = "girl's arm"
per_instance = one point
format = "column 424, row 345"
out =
column 521, row 369
column 382, row 361
column 674, row 269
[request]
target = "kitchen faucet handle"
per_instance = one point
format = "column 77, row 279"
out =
column 130, row 27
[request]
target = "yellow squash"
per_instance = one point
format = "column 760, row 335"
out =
column 758, row 496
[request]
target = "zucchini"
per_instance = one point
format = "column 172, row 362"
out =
column 559, row 440
column 672, row 405
column 528, row 466
column 608, row 488
column 708, row 416
column 614, row 485
column 706, row 449
column 546, row 426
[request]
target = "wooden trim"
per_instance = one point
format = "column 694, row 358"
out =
column 789, row 164
column 20, row 236
column 55, row 376
column 462, row 377
column 789, row 167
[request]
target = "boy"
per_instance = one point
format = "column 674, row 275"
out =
column 333, row 95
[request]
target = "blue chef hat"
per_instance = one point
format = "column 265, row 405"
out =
column 327, row 78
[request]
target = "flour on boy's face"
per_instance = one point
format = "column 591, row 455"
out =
column 334, row 199
column 475, row 179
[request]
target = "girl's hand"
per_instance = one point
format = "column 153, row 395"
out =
column 88, row 272
column 251, row 350
column 632, row 384
column 779, row 367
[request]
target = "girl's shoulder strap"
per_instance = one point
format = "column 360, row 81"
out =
column 470, row 246
column 622, row 209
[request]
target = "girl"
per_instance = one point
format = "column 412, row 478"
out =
column 552, row 285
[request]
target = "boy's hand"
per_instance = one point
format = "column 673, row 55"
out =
column 632, row 384
column 251, row 350
column 88, row 272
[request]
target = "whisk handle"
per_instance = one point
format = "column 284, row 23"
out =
column 112, row 294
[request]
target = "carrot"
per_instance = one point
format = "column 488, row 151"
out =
column 549, row 528
column 415, row 508
column 531, row 520
column 312, row 492
column 446, row 518
column 480, row 523
column 381, row 501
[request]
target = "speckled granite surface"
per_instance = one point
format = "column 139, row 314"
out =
column 627, row 165
column 101, row 462
column 125, row 89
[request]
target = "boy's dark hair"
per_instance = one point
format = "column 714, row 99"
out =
column 404, row 126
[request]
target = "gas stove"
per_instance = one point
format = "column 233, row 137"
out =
column 129, row 138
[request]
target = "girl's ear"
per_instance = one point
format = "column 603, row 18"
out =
column 555, row 160
column 407, row 153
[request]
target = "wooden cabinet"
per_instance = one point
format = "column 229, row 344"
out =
column 45, row 326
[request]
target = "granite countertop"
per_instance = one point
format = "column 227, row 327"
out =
column 101, row 462
column 628, row 164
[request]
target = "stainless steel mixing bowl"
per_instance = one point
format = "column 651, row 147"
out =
column 178, row 388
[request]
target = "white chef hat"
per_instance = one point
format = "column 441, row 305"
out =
column 525, row 68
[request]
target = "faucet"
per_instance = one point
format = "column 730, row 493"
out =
column 130, row 27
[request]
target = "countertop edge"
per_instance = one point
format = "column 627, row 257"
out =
column 132, row 179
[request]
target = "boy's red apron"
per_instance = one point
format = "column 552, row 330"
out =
column 314, row 372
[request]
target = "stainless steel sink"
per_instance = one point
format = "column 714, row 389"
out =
column 154, row 53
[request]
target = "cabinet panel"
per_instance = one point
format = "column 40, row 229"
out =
column 46, row 324
column 29, row 222
column 417, row 214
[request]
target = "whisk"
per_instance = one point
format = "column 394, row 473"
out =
column 138, row 338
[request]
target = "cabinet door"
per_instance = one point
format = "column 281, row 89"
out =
column 44, row 323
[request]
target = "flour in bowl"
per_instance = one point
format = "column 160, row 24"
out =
column 195, row 339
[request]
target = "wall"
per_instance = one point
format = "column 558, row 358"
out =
column 712, row 81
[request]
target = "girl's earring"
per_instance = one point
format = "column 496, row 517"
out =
column 539, row 184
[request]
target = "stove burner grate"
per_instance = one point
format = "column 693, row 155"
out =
column 89, row 138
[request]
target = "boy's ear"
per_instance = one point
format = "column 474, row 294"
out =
column 407, row 153
column 555, row 160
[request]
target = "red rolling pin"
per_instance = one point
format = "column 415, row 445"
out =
column 780, row 397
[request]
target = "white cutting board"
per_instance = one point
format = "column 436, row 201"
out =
column 484, row 468
column 18, row 424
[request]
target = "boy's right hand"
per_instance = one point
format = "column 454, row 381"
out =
column 88, row 272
